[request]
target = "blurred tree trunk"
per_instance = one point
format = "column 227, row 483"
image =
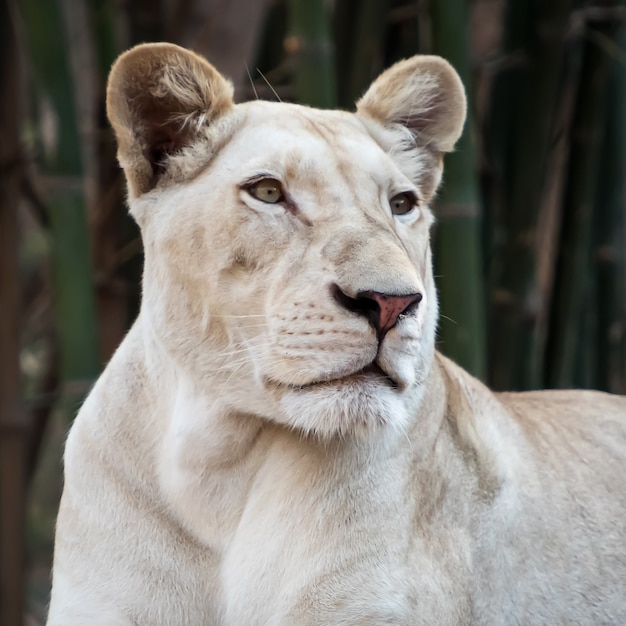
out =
column 147, row 20
column 224, row 31
column 458, row 251
column 12, row 427
column 524, row 102
column 311, row 49
column 569, row 334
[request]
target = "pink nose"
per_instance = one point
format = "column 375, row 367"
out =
column 390, row 307
column 381, row 309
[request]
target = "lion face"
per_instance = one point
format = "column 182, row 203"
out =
column 287, row 248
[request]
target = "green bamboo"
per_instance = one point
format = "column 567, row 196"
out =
column 311, row 47
column 360, row 46
column 570, row 326
column 61, row 162
column 458, row 253
column 344, row 35
column 60, row 166
column 535, row 49
column 610, row 229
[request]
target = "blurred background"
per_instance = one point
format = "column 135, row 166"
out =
column 531, row 235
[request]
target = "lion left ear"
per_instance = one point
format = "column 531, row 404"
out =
column 159, row 97
column 423, row 93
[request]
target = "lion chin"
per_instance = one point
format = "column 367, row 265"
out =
column 353, row 405
column 347, row 407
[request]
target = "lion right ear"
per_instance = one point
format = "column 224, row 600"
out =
column 159, row 96
column 424, row 94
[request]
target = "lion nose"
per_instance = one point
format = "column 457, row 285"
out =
column 381, row 309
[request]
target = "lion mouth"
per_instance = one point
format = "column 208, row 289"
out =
column 373, row 369
column 369, row 373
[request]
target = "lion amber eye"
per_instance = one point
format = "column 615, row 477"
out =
column 402, row 203
column 266, row 190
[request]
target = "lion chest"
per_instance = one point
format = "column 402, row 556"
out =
column 321, row 543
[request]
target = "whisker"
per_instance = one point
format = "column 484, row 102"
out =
column 445, row 317
column 268, row 84
column 251, row 82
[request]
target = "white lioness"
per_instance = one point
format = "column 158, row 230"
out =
column 277, row 442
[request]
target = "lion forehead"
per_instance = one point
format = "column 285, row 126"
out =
column 299, row 143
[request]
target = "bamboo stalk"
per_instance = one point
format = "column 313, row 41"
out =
column 97, row 159
column 609, row 224
column 344, row 35
column 534, row 47
column 366, row 23
column 458, row 252
column 310, row 46
column 110, row 226
column 71, row 259
column 573, row 276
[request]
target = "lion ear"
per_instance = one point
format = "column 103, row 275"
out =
column 423, row 93
column 159, row 96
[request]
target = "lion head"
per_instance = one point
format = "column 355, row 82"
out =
column 287, row 256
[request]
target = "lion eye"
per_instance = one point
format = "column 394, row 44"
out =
column 402, row 203
column 267, row 190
